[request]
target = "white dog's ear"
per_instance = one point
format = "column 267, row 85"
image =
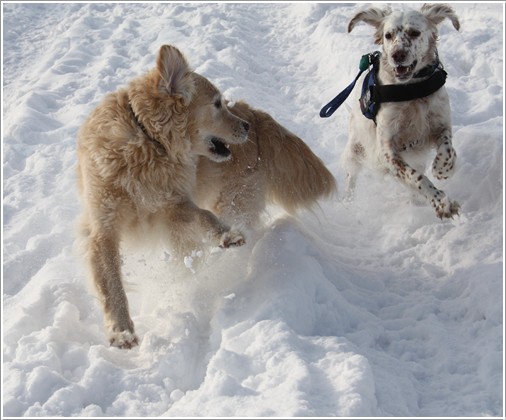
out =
column 173, row 72
column 436, row 13
column 372, row 16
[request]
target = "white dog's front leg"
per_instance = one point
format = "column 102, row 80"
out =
column 417, row 181
column 444, row 162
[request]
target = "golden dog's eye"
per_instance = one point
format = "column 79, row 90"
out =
column 217, row 103
column 413, row 33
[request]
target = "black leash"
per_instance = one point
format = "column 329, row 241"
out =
column 335, row 103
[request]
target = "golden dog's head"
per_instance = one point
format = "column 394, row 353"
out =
column 211, row 126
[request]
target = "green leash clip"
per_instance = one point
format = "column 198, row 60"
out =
column 365, row 62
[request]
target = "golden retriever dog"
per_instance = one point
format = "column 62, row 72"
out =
column 273, row 166
column 137, row 162
column 414, row 120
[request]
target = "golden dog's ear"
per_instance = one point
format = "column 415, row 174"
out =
column 173, row 72
column 372, row 16
column 436, row 13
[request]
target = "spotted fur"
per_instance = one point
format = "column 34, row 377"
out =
column 405, row 131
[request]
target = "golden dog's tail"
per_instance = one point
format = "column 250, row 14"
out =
column 295, row 177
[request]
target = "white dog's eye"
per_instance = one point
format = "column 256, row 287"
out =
column 388, row 35
column 413, row 33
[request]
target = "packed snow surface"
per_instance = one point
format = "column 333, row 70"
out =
column 369, row 308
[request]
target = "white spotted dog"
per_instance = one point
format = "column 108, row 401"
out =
column 411, row 109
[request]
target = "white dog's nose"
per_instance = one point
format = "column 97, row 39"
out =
column 399, row 56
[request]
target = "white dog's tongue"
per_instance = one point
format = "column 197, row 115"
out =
column 401, row 71
column 404, row 71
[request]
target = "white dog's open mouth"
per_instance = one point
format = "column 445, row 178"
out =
column 403, row 72
column 218, row 147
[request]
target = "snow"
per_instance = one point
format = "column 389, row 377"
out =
column 374, row 308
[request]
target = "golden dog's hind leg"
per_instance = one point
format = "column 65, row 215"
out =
column 105, row 264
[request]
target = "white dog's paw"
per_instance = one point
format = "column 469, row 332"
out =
column 444, row 162
column 232, row 238
column 446, row 208
column 123, row 339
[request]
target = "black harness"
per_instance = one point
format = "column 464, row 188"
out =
column 373, row 94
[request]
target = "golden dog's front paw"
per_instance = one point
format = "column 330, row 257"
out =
column 232, row 238
column 123, row 339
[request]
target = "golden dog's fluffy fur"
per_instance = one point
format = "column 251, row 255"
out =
column 273, row 166
column 152, row 157
column 137, row 157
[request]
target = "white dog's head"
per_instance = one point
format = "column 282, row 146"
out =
column 408, row 37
